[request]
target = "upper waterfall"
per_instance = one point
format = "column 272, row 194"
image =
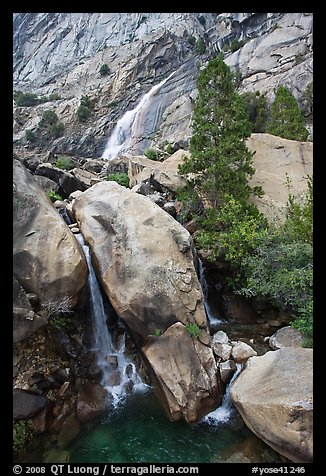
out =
column 128, row 131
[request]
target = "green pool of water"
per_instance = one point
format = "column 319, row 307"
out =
column 139, row 432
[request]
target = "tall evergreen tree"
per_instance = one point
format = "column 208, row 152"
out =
column 220, row 159
column 286, row 118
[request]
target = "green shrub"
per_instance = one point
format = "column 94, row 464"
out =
column 49, row 117
column 120, row 178
column 53, row 196
column 30, row 135
column 157, row 332
column 286, row 119
column 55, row 130
column 307, row 100
column 200, row 46
column 192, row 40
column 25, row 99
column 61, row 321
column 236, row 44
column 104, row 70
column 152, row 154
column 64, row 163
column 169, row 148
column 87, row 102
column 83, row 113
column 193, row 330
column 54, row 97
column 22, row 435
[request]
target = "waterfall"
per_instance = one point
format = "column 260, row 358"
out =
column 212, row 320
column 126, row 132
column 119, row 373
column 223, row 413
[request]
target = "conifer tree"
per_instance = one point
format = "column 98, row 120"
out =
column 220, row 159
column 286, row 119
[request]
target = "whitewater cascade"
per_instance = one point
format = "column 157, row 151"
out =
column 119, row 373
column 212, row 320
column 223, row 413
column 127, row 131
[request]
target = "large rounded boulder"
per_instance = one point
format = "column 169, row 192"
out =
column 47, row 259
column 274, row 395
column 144, row 259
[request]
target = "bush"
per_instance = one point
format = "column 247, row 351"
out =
column 49, row 117
column 286, row 118
column 25, row 99
column 152, row 154
column 193, row 330
column 87, row 102
column 30, row 135
column 64, row 163
column 55, row 130
column 53, row 196
column 157, row 332
column 31, row 99
column 169, row 149
column 83, row 113
column 61, row 321
column 120, row 178
column 307, row 100
column 104, row 70
column 192, row 40
column 200, row 46
column 22, row 435
column 280, row 268
column 236, row 44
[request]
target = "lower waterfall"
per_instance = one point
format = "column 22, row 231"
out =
column 119, row 373
column 223, row 413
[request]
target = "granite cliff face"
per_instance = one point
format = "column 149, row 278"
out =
column 63, row 52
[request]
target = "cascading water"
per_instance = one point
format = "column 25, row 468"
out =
column 223, row 413
column 119, row 373
column 126, row 132
column 212, row 319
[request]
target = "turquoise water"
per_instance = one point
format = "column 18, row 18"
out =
column 139, row 432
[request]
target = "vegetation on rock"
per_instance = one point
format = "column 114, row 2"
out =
column 120, row 178
column 193, row 330
column 286, row 119
column 50, row 126
column 53, row 196
column 31, row 99
column 265, row 261
column 84, row 110
column 64, row 163
column 104, row 70
column 22, row 436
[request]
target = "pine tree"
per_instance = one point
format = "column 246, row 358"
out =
column 286, row 119
column 220, row 159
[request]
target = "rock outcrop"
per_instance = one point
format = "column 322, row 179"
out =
column 274, row 396
column 275, row 159
column 144, row 259
column 141, row 50
column 47, row 258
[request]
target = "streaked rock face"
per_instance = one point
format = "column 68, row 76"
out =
column 63, row 53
